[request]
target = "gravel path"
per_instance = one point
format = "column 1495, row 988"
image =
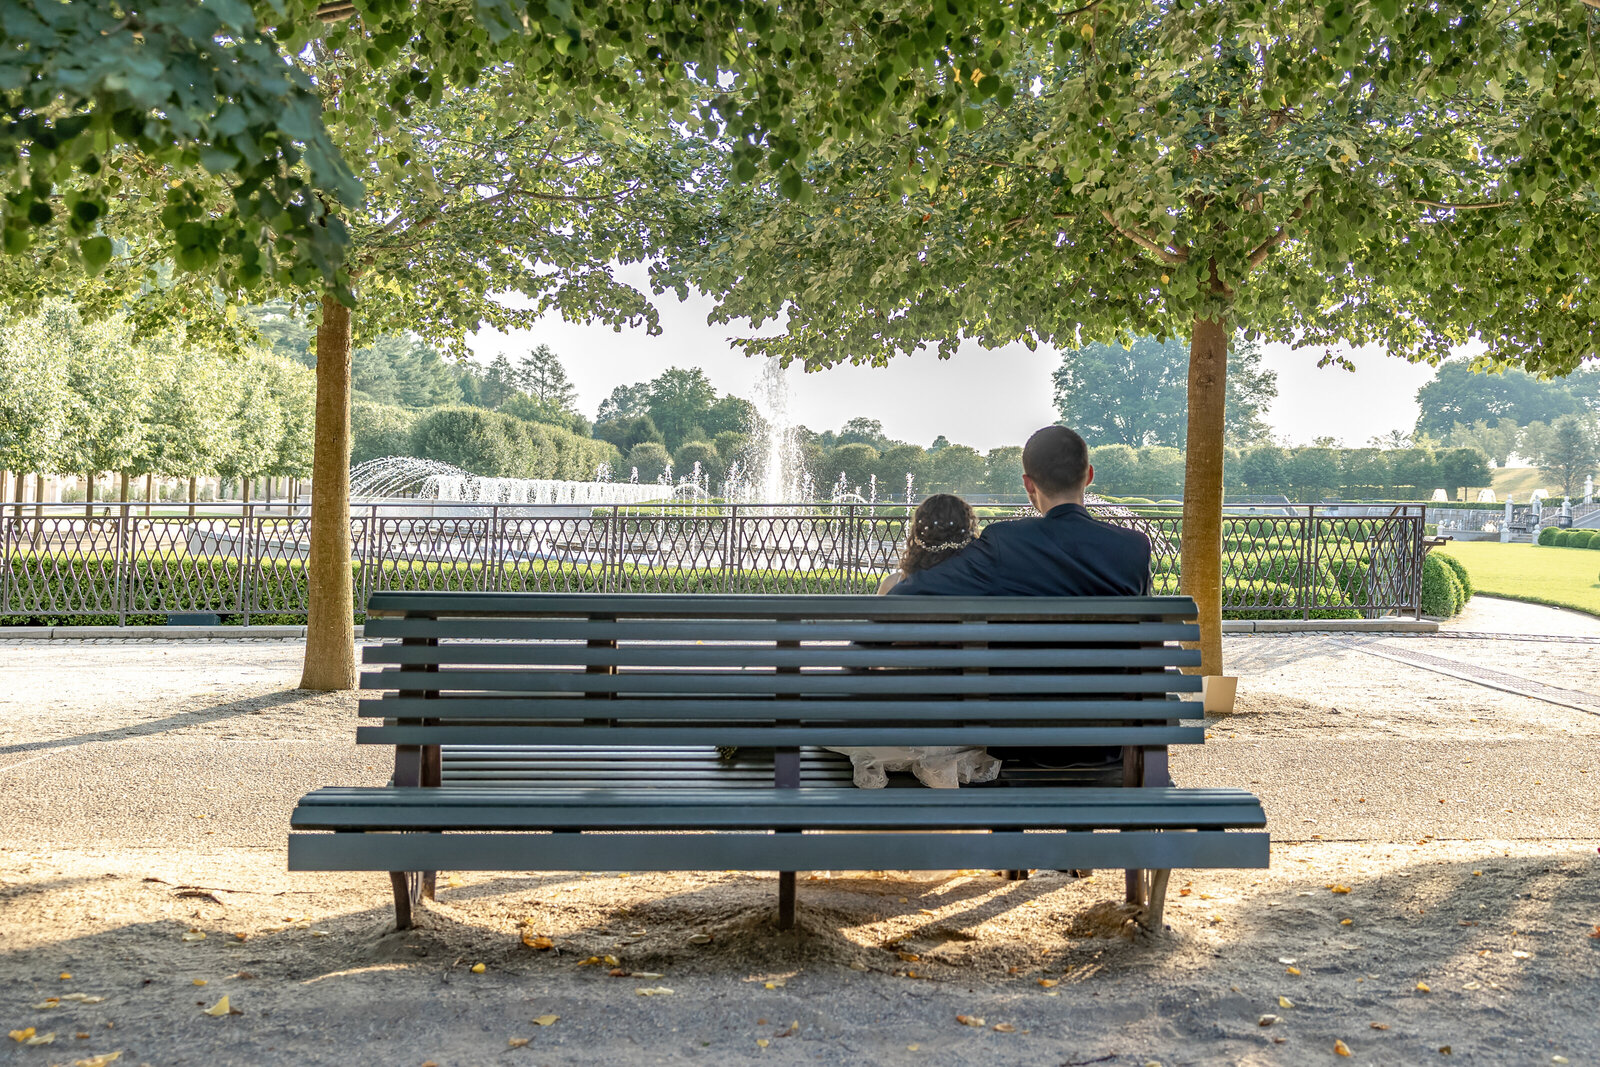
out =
column 148, row 786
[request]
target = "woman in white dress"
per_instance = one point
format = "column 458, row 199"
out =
column 942, row 525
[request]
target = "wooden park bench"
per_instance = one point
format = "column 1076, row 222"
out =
column 556, row 732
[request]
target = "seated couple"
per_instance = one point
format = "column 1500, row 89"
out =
column 1065, row 551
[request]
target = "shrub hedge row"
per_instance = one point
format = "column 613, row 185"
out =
column 176, row 583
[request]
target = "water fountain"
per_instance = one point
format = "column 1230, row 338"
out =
column 773, row 471
column 451, row 490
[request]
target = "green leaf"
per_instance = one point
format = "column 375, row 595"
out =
column 96, row 252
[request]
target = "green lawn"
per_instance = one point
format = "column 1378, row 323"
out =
column 1566, row 577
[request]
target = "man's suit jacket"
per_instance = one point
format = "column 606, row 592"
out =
column 1066, row 552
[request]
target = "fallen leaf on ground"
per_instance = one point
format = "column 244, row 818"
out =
column 66, row 976
column 609, row 961
column 909, row 957
column 701, row 939
column 970, row 1020
column 646, row 974
column 1048, row 982
column 105, row 1059
column 1293, row 970
column 478, row 968
column 1339, row 888
column 221, row 1007
column 913, row 1048
column 517, row 1042
column 1472, row 985
column 1595, row 933
column 83, row 998
column 1422, row 987
column 1266, row 1020
column 81, row 1035
column 42, row 1039
column 195, row 935
column 653, row 991
column 775, row 984
column 429, row 1063
column 1518, row 954
column 48, row 1003
column 1444, row 1050
column 1346, row 922
column 1285, row 1002
column 1340, row 1048
column 541, row 942
column 199, row 981
column 1379, row 1026
column 1005, row 1028
column 546, row 1020
column 23, row 1034
column 762, row 1042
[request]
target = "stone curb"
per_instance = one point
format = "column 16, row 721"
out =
column 1329, row 626
column 281, row 633
column 155, row 633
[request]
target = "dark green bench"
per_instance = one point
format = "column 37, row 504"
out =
column 525, row 723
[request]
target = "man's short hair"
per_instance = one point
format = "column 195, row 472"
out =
column 1057, row 459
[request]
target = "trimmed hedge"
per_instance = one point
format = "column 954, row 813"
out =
column 1582, row 538
column 180, row 583
column 1442, row 592
column 1461, row 574
column 1547, row 536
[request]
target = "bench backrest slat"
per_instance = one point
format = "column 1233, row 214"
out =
column 779, row 671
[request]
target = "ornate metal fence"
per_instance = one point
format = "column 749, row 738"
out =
column 247, row 562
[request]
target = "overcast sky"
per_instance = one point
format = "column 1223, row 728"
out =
column 977, row 398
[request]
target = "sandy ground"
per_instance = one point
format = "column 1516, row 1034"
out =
column 147, row 789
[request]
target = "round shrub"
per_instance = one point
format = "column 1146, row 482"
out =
column 1562, row 539
column 1462, row 576
column 1547, row 536
column 1581, row 538
column 1594, row 539
column 1442, row 595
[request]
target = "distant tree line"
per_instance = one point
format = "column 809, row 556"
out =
column 1302, row 474
column 85, row 398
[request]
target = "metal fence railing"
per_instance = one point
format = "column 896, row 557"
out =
column 247, row 562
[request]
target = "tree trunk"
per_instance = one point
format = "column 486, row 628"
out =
column 194, row 492
column 126, row 478
column 244, row 490
column 149, row 492
column 1201, row 565
column 330, row 625
column 38, row 496
column 88, row 494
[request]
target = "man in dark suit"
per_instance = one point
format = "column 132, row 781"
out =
column 1064, row 552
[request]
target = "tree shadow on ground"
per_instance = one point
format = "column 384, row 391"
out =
column 197, row 717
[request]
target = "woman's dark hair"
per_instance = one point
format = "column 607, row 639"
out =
column 942, row 525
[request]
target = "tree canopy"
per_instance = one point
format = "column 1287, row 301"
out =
column 1134, row 395
column 1463, row 393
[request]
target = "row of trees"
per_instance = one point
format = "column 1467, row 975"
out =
column 84, row 397
column 494, row 444
column 1305, row 474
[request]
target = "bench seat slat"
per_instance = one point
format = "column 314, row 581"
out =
column 916, row 710
column 786, row 736
column 621, row 809
column 772, row 852
column 761, row 606
column 752, row 682
column 741, row 656
column 522, row 629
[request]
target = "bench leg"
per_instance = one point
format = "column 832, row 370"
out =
column 1135, row 887
column 1155, row 907
column 786, row 883
column 407, row 892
